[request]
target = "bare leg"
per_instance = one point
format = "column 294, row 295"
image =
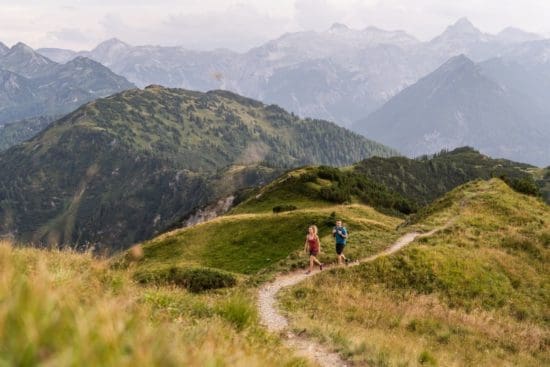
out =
column 311, row 259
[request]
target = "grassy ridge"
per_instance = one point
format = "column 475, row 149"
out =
column 474, row 294
column 323, row 186
column 424, row 179
column 60, row 308
column 251, row 243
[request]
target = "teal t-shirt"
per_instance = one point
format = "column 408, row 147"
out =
column 339, row 239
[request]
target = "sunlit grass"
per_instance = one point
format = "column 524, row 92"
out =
column 476, row 293
column 253, row 243
column 59, row 308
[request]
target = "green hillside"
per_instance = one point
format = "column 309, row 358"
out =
column 261, row 243
column 396, row 185
column 476, row 293
column 473, row 294
column 120, row 169
column 311, row 187
column 424, row 179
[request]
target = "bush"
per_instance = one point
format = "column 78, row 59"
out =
column 196, row 280
column 335, row 194
column 524, row 185
column 427, row 358
column 238, row 311
column 284, row 208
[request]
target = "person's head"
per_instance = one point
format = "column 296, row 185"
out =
column 313, row 230
column 338, row 223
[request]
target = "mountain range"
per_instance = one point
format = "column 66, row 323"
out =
column 354, row 77
column 489, row 105
column 119, row 169
column 317, row 74
column 32, row 85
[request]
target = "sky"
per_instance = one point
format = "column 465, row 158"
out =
column 242, row 24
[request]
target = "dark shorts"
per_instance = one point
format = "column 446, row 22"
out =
column 340, row 248
column 313, row 252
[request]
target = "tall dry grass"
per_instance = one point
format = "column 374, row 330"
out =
column 59, row 308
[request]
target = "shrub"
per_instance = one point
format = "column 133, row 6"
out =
column 426, row 358
column 196, row 279
column 335, row 194
column 237, row 311
column 524, row 185
column 284, row 208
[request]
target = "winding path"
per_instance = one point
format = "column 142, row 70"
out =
column 276, row 322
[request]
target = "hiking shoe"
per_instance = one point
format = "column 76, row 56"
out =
column 321, row 267
column 347, row 261
column 308, row 272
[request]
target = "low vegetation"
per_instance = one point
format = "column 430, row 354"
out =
column 59, row 308
column 265, row 242
column 424, row 179
column 195, row 279
column 476, row 293
column 323, row 187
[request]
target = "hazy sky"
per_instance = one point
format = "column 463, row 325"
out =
column 241, row 24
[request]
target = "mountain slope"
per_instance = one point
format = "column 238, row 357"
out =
column 458, row 105
column 18, row 97
column 423, row 180
column 119, row 169
column 483, row 281
column 23, row 60
column 19, row 131
column 32, row 86
column 3, row 49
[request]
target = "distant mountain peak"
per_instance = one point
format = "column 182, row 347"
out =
column 86, row 62
column 459, row 60
column 3, row 48
column 462, row 26
column 516, row 35
column 338, row 27
column 21, row 47
column 83, row 61
column 112, row 43
column 456, row 64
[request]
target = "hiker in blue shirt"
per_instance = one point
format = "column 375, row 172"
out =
column 340, row 233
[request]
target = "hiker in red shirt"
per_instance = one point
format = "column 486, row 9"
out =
column 313, row 245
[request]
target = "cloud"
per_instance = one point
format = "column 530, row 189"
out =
column 238, row 27
column 316, row 14
column 72, row 35
column 241, row 24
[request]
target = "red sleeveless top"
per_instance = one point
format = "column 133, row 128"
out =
column 313, row 243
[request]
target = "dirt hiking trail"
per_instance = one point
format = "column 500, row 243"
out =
column 277, row 323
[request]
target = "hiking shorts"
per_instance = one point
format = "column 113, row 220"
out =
column 313, row 252
column 340, row 248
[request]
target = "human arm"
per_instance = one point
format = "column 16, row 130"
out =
column 319, row 244
column 344, row 232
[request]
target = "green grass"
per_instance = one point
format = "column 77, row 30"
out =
column 476, row 293
column 60, row 308
column 286, row 190
column 266, row 242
